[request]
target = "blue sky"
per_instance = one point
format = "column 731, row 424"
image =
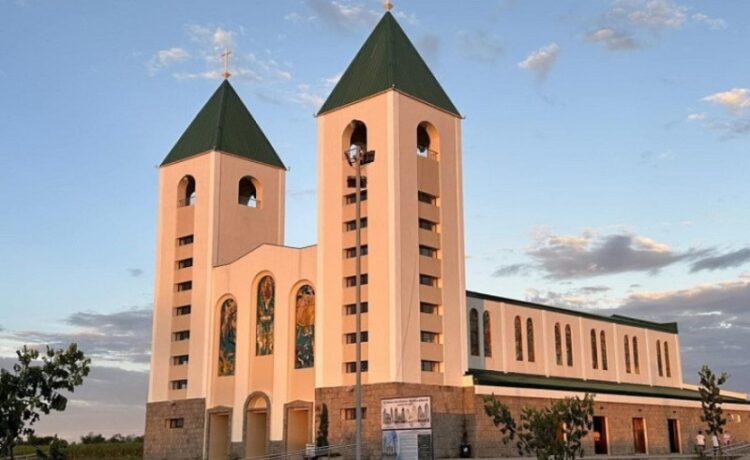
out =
column 605, row 156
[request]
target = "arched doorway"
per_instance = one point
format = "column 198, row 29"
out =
column 257, row 419
column 298, row 425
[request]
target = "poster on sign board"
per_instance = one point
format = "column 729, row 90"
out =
column 407, row 445
column 406, row 413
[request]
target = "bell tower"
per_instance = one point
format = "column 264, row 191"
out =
column 389, row 103
column 221, row 195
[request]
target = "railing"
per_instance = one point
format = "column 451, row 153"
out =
column 427, row 153
column 310, row 452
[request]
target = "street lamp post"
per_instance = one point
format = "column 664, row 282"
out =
column 357, row 156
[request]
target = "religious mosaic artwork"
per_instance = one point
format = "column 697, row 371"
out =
column 264, row 324
column 227, row 337
column 305, row 327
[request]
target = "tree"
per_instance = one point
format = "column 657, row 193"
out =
column 92, row 438
column 554, row 432
column 29, row 390
column 321, row 439
column 711, row 400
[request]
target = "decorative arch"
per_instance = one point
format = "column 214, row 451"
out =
column 249, row 192
column 428, row 140
column 569, row 345
column 519, row 338
column 304, row 327
column 636, row 361
column 186, row 191
column 558, row 345
column 474, row 331
column 594, row 350
column 227, row 337
column 603, row 340
column 627, row 355
column 530, row 340
column 264, row 325
column 487, row 329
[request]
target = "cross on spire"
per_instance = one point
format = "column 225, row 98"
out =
column 225, row 55
column 388, row 5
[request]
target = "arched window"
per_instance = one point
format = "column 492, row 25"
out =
column 603, row 340
column 530, row 339
column 227, row 337
column 427, row 140
column 636, row 363
column 594, row 348
column 264, row 316
column 304, row 337
column 627, row 355
column 248, row 193
column 487, row 334
column 569, row 345
column 658, row 359
column 558, row 344
column 186, row 191
column 666, row 359
column 519, row 339
column 474, row 332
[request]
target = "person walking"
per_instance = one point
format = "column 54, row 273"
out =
column 727, row 438
column 700, row 442
column 715, row 444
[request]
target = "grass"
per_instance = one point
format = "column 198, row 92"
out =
column 108, row 450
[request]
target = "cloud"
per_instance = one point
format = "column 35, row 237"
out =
column 343, row 16
column 165, row 58
column 541, row 61
column 735, row 100
column 429, row 46
column 658, row 15
column 613, row 39
column 121, row 337
column 512, row 270
column 110, row 401
column 575, row 299
column 713, row 23
column 728, row 260
column 480, row 46
column 714, row 325
column 590, row 255
column 135, row 272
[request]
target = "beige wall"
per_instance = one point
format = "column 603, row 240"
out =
column 394, row 351
column 502, row 318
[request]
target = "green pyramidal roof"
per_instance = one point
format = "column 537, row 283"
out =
column 388, row 60
column 225, row 124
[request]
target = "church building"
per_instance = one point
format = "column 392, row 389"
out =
column 254, row 342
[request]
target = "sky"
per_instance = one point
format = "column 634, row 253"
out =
column 606, row 158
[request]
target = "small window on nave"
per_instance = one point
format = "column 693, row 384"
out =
column 627, row 355
column 519, row 339
column 594, row 352
column 530, row 340
column 569, row 345
column 487, row 334
column 558, row 345
column 636, row 360
column 603, row 340
column 659, row 366
column 474, row 332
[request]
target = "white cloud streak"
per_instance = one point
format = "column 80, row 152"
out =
column 541, row 61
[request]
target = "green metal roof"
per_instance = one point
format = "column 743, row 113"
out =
column 513, row 380
column 670, row 328
column 225, row 124
column 388, row 60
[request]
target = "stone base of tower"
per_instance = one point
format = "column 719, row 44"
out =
column 162, row 442
column 452, row 410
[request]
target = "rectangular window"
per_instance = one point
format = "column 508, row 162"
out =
column 351, row 367
column 351, row 281
column 182, row 310
column 181, row 335
column 424, row 197
column 425, row 224
column 351, row 253
column 352, row 197
column 429, row 337
column 185, row 240
column 185, row 263
column 180, row 360
column 184, row 286
column 175, row 422
column 350, row 413
column 351, row 337
column 352, row 224
column 427, row 251
column 430, row 366
column 179, row 384
column 351, row 309
column 427, row 280
column 351, row 182
column 428, row 308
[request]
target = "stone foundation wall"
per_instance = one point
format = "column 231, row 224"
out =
column 161, row 442
column 485, row 437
